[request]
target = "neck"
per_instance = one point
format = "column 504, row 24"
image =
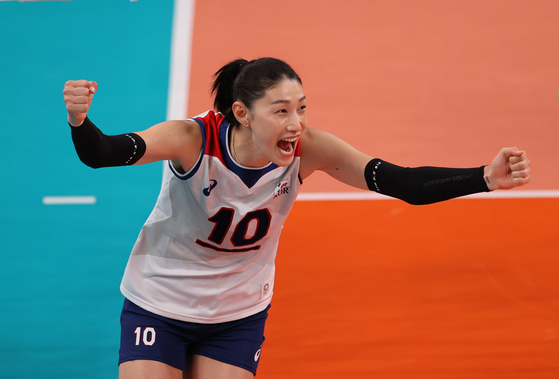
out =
column 243, row 149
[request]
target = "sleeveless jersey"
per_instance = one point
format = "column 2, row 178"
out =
column 206, row 253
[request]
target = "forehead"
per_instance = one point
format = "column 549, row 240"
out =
column 285, row 91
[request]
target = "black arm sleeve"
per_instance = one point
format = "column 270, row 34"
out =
column 423, row 185
column 96, row 149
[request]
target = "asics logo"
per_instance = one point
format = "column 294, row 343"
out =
column 257, row 355
column 209, row 189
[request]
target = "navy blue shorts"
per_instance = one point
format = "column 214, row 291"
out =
column 145, row 335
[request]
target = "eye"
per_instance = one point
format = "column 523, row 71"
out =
column 282, row 111
column 303, row 108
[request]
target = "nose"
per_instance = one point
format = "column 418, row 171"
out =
column 295, row 122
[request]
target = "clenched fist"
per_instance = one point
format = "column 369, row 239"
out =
column 509, row 169
column 78, row 95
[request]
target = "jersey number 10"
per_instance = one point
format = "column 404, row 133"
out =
column 223, row 220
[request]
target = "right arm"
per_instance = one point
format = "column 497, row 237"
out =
column 178, row 141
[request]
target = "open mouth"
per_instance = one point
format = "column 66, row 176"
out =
column 287, row 145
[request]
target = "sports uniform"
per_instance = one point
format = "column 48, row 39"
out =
column 206, row 253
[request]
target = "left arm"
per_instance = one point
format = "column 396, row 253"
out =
column 422, row 185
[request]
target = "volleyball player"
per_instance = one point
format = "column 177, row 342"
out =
column 200, row 277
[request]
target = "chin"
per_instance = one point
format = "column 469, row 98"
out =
column 284, row 161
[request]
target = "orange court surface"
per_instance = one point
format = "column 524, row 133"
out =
column 383, row 289
column 467, row 288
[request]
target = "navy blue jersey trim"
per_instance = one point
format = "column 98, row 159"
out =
column 249, row 176
column 195, row 168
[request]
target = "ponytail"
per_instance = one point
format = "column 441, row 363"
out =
column 223, row 87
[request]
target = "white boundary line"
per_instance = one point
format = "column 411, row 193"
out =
column 62, row 200
column 338, row 196
column 181, row 48
column 179, row 72
column 329, row 196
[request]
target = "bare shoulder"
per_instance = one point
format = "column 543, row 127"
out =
column 321, row 143
column 311, row 139
column 187, row 133
column 312, row 134
column 188, row 140
column 178, row 140
column 320, row 150
column 323, row 151
column 190, row 127
column 314, row 144
column 177, row 128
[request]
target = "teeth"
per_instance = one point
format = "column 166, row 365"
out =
column 288, row 151
column 291, row 142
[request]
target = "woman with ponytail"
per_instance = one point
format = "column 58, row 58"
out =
column 200, row 278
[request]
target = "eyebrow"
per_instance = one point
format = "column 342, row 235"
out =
column 286, row 101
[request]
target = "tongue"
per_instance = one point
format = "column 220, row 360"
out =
column 284, row 145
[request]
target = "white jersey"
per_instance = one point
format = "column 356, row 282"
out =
column 206, row 253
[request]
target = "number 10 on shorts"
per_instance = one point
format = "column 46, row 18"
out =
column 147, row 337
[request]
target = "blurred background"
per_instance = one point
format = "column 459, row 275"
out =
column 413, row 82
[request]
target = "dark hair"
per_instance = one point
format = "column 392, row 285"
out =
column 247, row 81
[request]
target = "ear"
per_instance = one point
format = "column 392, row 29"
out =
column 241, row 113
